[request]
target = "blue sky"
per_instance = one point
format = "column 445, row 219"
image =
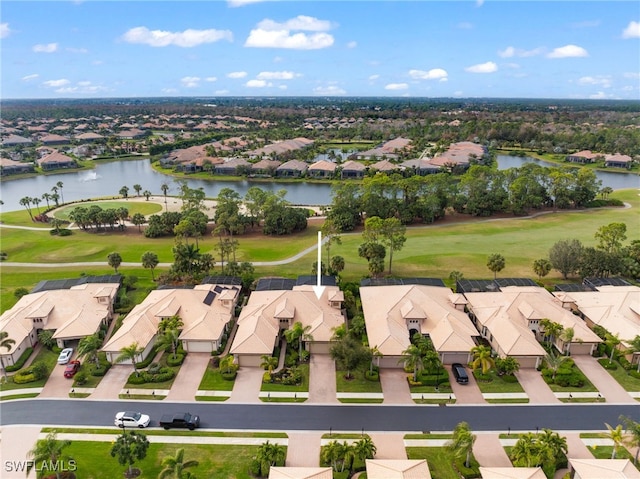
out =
column 539, row 49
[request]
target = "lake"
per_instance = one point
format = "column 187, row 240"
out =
column 107, row 179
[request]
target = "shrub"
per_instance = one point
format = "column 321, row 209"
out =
column 509, row 378
column 604, row 362
column 266, row 377
column 215, row 361
column 154, row 368
column 23, row 377
column 372, row 375
column 23, row 359
column 634, row 373
column 177, row 361
column 144, row 377
column 80, row 379
column 229, row 376
column 101, row 370
column 39, row 369
column 624, row 362
column 145, row 363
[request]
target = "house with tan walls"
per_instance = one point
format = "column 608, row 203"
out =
column 510, row 319
column 397, row 468
column 268, row 313
column 206, row 312
column 603, row 468
column 615, row 308
column 393, row 314
column 71, row 313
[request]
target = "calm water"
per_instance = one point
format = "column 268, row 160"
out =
column 108, row 178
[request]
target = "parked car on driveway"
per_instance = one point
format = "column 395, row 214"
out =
column 459, row 373
column 71, row 369
column 131, row 419
column 65, row 355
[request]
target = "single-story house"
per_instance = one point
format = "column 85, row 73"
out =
column 292, row 168
column 385, row 166
column 603, row 468
column 617, row 161
column 205, row 311
column 132, row 134
column 269, row 312
column 89, row 137
column 352, row 169
column 56, row 161
column 397, row 469
column 322, row 169
column 15, row 140
column 459, row 155
column 71, row 313
column 300, row 473
column 232, row 166
column 389, row 149
column 280, row 147
column 393, row 314
column 509, row 320
column 615, row 308
column 11, row 167
column 512, row 473
column 584, row 157
column 54, row 140
column 265, row 167
column 421, row 166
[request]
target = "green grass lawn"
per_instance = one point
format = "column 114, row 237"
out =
column 588, row 385
column 49, row 358
column 215, row 461
column 440, row 461
column 134, row 206
column 162, row 432
column 303, row 387
column 356, row 385
column 629, row 383
column 161, row 385
column 498, row 385
column 604, row 452
column 213, row 381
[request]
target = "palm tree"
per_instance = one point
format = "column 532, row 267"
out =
column 566, row 337
column 633, row 429
column 168, row 338
column 114, row 260
column 364, row 448
column 36, row 201
column 298, row 333
column 461, row 444
column 431, row 361
column 137, row 189
column 509, row 365
column 5, row 342
column 333, row 453
column 26, row 201
column 165, row 188
column 46, row 197
column 525, row 451
column 268, row 455
column 553, row 363
column 634, row 347
column 612, row 340
column 59, row 185
column 617, row 436
column 48, row 450
column 174, row 466
column 412, row 359
column 268, row 362
column 150, row 260
column 226, row 363
column 124, row 192
column 551, row 330
column 89, row 346
column 553, row 447
column 482, row 358
column 375, row 356
column 130, row 353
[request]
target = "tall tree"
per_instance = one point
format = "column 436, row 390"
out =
column 129, row 447
column 393, row 236
column 461, row 443
column 175, row 467
column 496, row 263
column 26, row 202
column 124, row 192
column 130, row 353
column 165, row 189
column 611, row 237
column 49, row 449
column 612, row 341
column 114, row 260
column 482, row 358
column 5, row 342
column 617, row 436
column 541, row 267
column 632, row 428
column 137, row 189
column 267, row 455
column 350, row 355
column 565, row 256
column 412, row 358
column 150, row 261
column 566, row 337
column 59, row 185
column 551, row 329
column 89, row 347
column 138, row 220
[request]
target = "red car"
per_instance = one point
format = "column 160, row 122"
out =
column 71, row 369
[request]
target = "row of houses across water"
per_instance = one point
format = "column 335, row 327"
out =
column 507, row 314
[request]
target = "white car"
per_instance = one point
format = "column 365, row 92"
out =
column 131, row 419
column 65, row 355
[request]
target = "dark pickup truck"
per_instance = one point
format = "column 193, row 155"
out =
column 181, row 420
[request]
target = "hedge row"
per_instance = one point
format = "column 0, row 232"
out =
column 23, row 359
column 144, row 377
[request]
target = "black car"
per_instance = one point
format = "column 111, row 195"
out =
column 460, row 373
column 180, row 420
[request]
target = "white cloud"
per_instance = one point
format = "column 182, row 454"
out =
column 568, row 51
column 284, row 75
column 30, row 77
column 598, row 96
column 185, row 39
column 396, row 86
column 278, row 59
column 271, row 34
column 5, row 31
column 48, row 48
column 237, row 74
column 169, row 90
column 632, row 30
column 479, row 3
column 282, row 87
column 510, row 52
column 257, row 84
column 352, row 44
column 77, row 50
column 433, row 74
column 330, row 90
column 221, row 92
column 241, row 3
column 602, row 80
column 374, row 77
column 632, row 75
column 488, row 67
column 56, row 83
column 190, row 82
column 211, row 79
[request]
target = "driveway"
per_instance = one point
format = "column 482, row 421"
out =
column 602, row 380
column 303, row 449
column 489, row 451
column 395, row 386
column 188, row 379
column 466, row 393
column 535, row 387
column 389, row 445
column 322, row 379
column 246, row 388
column 57, row 386
column 113, row 382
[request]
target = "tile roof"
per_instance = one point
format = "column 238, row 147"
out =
column 512, row 473
column 397, row 469
column 300, row 473
column 604, row 469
